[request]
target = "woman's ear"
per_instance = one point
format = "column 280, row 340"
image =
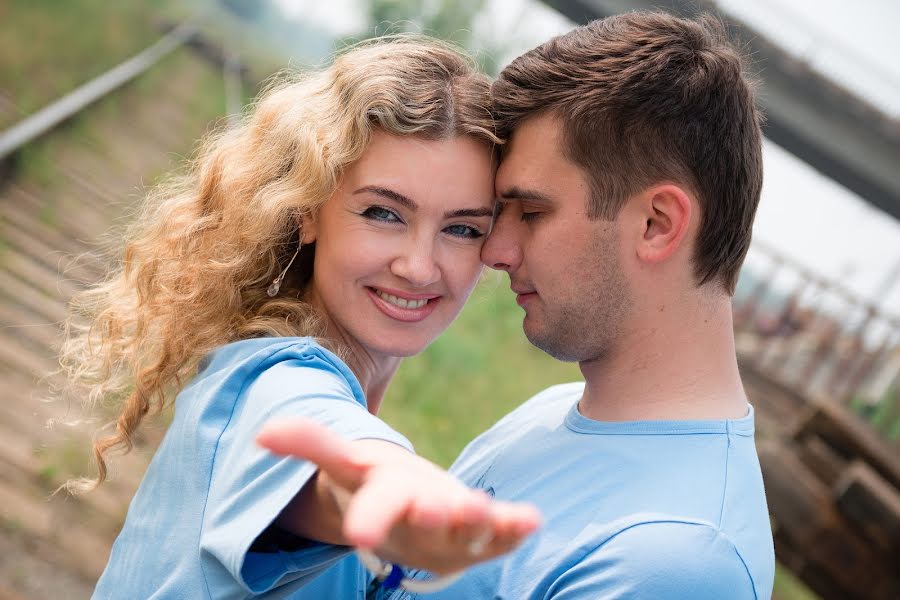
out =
column 667, row 211
column 308, row 224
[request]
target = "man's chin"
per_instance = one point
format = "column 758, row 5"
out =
column 550, row 342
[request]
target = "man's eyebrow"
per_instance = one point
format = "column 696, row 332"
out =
column 517, row 193
column 487, row 211
column 399, row 198
column 389, row 194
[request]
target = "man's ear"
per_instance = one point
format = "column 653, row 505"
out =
column 667, row 211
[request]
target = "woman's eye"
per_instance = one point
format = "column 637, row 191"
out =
column 464, row 231
column 380, row 213
column 529, row 216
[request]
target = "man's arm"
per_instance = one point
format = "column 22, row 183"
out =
column 661, row 559
column 376, row 495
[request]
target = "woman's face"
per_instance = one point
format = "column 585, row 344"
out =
column 398, row 243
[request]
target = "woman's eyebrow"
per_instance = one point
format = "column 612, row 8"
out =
column 411, row 205
column 389, row 194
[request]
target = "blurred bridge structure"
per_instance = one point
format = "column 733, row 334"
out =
column 821, row 365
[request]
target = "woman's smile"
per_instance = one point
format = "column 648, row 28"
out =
column 401, row 306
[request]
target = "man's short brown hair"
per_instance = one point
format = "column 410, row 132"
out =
column 644, row 98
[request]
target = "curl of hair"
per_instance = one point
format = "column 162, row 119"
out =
column 205, row 245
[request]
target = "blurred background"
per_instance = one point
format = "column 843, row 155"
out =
column 99, row 99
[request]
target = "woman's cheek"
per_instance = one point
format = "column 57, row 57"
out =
column 467, row 269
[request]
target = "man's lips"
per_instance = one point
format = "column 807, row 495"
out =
column 523, row 294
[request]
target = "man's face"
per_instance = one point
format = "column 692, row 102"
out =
column 565, row 268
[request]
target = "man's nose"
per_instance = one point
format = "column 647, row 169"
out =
column 417, row 264
column 502, row 249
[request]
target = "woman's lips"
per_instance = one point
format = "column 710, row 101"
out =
column 401, row 306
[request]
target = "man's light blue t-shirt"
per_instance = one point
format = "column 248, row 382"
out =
column 210, row 491
column 631, row 510
column 646, row 509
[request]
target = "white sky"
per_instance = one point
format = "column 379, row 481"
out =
column 802, row 213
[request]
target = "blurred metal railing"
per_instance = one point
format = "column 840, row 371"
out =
column 71, row 104
column 813, row 334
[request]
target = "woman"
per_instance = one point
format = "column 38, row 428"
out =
column 301, row 257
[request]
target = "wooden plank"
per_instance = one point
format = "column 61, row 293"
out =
column 71, row 217
column 51, row 258
column 818, row 580
column 864, row 497
column 14, row 209
column 807, row 519
column 20, row 323
column 15, row 290
column 76, row 546
column 9, row 594
column 45, row 279
column 851, row 437
column 18, row 357
column 821, row 459
column 776, row 403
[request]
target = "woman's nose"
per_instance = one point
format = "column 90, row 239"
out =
column 418, row 265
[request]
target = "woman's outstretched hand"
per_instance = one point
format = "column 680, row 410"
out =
column 401, row 506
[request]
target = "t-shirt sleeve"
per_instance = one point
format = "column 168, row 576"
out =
column 659, row 560
column 249, row 486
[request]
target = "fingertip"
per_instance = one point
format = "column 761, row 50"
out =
column 517, row 520
column 362, row 536
column 530, row 512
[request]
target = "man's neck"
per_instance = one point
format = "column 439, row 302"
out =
column 679, row 364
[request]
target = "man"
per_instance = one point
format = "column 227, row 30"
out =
column 627, row 194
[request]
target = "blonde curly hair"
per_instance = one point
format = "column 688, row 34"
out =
column 205, row 246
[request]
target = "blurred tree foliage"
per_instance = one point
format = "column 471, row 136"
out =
column 449, row 20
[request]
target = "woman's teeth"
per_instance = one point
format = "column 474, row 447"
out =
column 402, row 302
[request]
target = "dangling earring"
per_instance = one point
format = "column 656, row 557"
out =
column 272, row 291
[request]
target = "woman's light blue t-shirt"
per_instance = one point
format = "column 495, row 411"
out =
column 210, row 491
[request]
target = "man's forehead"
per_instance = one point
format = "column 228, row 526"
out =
column 536, row 171
column 540, row 133
column 514, row 183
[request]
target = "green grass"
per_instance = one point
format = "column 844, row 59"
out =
column 61, row 461
column 883, row 414
column 788, row 587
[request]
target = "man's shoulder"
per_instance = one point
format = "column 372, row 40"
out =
column 660, row 556
column 550, row 404
column 554, row 399
column 545, row 408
